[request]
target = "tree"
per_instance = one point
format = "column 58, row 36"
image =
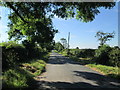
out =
column 103, row 37
column 84, row 11
column 64, row 42
column 39, row 31
column 102, row 54
column 114, row 56
column 77, row 47
column 59, row 46
column 33, row 20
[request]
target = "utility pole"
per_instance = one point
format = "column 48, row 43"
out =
column 68, row 42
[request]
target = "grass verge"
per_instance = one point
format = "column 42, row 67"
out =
column 23, row 75
column 106, row 70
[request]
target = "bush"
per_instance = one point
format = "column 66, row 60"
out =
column 114, row 56
column 102, row 54
column 83, row 53
column 75, row 52
column 58, row 46
column 12, row 53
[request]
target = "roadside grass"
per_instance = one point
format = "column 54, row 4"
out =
column 106, row 70
column 35, row 68
column 64, row 53
column 110, row 71
column 23, row 75
column 55, row 51
column 16, row 78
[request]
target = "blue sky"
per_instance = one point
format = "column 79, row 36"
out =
column 82, row 35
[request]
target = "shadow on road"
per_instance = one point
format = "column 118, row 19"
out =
column 98, row 78
column 56, row 58
column 46, row 85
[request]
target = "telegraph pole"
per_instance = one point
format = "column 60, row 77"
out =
column 68, row 42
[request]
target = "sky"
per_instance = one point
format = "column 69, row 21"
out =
column 82, row 35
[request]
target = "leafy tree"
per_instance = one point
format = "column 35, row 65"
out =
column 102, row 54
column 33, row 20
column 59, row 46
column 39, row 31
column 103, row 37
column 64, row 42
column 114, row 56
column 84, row 11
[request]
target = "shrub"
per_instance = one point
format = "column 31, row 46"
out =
column 12, row 53
column 76, row 52
column 102, row 54
column 84, row 53
column 114, row 56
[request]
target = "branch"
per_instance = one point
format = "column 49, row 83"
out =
column 13, row 8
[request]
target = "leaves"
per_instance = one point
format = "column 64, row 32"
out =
column 34, row 19
column 103, row 37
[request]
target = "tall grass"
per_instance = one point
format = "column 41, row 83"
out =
column 13, row 78
column 23, row 76
column 107, row 70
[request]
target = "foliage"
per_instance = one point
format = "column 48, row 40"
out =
column 33, row 21
column 114, row 56
column 79, row 53
column 103, row 37
column 35, row 68
column 75, row 52
column 39, row 31
column 83, row 53
column 13, row 78
column 102, row 54
column 64, row 52
column 83, row 11
column 64, row 43
column 22, row 76
column 58, row 46
column 14, row 53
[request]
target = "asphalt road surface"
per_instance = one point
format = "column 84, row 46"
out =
column 63, row 73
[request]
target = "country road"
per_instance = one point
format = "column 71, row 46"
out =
column 61, row 72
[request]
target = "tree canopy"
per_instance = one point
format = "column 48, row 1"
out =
column 64, row 42
column 103, row 37
column 33, row 20
column 59, row 46
column 84, row 11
